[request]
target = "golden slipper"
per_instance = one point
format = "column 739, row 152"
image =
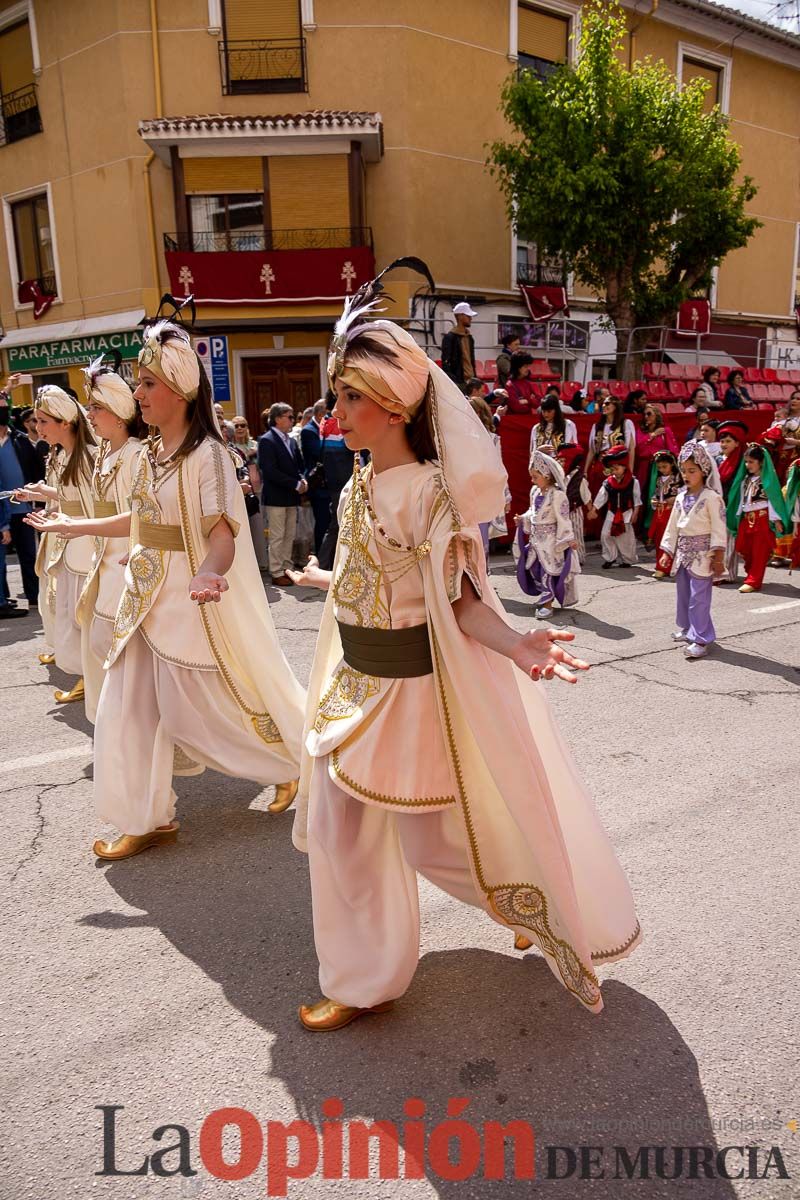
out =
column 75, row 693
column 327, row 1015
column 521, row 942
column 284, row 795
column 132, row 843
column 47, row 659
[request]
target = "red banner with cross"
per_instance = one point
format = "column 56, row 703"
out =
column 270, row 277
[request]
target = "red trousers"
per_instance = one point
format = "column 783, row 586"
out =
column 755, row 541
column 658, row 527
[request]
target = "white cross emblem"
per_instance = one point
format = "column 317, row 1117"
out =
column 186, row 279
column 267, row 277
column 348, row 274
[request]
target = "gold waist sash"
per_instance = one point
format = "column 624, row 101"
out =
column 105, row 508
column 161, row 537
column 387, row 653
column 71, row 508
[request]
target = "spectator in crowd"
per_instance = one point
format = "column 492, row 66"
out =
column 318, row 494
column 737, row 395
column 709, row 435
column 27, row 425
column 474, row 388
column 610, row 431
column 458, row 346
column 697, row 401
column 20, row 464
column 553, row 428
column 694, row 434
column 338, row 463
column 651, row 436
column 579, row 401
column 635, row 401
column 302, row 420
column 709, row 389
column 243, row 440
column 281, row 466
column 510, row 344
column 787, row 422
column 521, row 396
column 226, row 426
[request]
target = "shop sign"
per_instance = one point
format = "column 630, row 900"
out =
column 72, row 352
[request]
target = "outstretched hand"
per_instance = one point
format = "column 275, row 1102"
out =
column 312, row 575
column 57, row 523
column 539, row 655
column 207, row 586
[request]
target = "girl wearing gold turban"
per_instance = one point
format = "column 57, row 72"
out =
column 114, row 417
column 61, row 567
column 207, row 677
column 428, row 744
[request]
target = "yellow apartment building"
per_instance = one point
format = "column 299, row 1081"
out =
column 265, row 155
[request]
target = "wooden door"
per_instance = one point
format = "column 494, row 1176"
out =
column 291, row 380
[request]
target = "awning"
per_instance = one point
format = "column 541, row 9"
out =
column 90, row 327
column 707, row 358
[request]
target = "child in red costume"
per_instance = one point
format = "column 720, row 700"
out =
column 665, row 483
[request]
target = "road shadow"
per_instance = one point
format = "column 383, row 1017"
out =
column 496, row 1028
column 565, row 618
column 778, row 589
column 21, row 629
column 757, row 663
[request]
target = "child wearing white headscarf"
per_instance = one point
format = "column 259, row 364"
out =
column 548, row 565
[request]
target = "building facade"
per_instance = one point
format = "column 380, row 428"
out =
column 264, row 155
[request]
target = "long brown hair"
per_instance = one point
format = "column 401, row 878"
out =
column 80, row 464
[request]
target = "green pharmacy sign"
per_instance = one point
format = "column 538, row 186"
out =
column 71, row 352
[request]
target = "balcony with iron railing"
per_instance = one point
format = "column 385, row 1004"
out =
column 542, row 274
column 259, row 66
column 19, row 114
column 334, row 238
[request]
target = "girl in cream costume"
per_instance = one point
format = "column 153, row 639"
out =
column 415, row 670
column 208, row 677
column 61, row 566
column 112, row 413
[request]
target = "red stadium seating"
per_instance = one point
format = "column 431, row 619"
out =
column 657, row 390
column 674, row 407
column 775, row 392
column 753, row 375
column 678, row 388
column 759, row 392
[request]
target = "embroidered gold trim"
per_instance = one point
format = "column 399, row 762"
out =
column 347, row 692
column 145, row 567
column 357, row 587
column 176, row 662
column 600, row 955
column 262, row 722
column 400, row 801
column 517, row 903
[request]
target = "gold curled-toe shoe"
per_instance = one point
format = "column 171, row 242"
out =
column 521, row 942
column 75, row 693
column 133, row 843
column 284, row 795
column 327, row 1015
column 47, row 659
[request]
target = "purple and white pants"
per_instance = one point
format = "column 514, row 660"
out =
column 693, row 618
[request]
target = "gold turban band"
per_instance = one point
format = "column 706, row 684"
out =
column 56, row 403
column 172, row 360
column 397, row 386
column 109, row 390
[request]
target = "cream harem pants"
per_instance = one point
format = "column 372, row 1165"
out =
column 363, row 862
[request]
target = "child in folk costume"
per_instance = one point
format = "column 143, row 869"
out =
column 414, row 669
column 571, row 457
column 791, row 496
column 497, row 527
column 732, row 440
column 62, row 568
column 695, row 539
column 665, row 483
column 548, row 565
column 756, row 513
column 621, row 492
column 194, row 659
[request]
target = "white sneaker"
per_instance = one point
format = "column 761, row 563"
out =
column 544, row 614
column 680, row 636
column 696, row 650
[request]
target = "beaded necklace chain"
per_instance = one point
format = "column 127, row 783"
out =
column 101, row 483
column 408, row 555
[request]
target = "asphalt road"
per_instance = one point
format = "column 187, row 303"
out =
column 168, row 984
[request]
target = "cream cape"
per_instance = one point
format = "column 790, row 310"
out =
column 75, row 554
column 119, row 492
column 239, row 630
column 540, row 858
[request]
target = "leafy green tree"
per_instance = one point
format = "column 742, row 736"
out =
column 625, row 176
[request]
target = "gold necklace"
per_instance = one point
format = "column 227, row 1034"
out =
column 393, row 544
